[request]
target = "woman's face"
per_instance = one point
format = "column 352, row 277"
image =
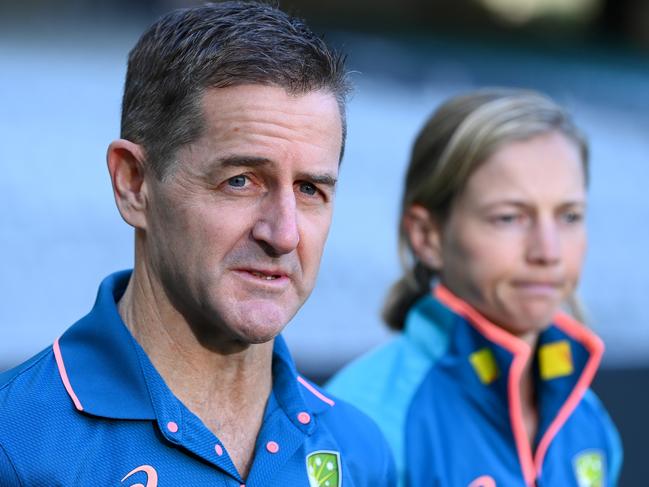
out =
column 515, row 239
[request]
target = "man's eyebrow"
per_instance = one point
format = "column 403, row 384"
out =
column 242, row 161
column 322, row 179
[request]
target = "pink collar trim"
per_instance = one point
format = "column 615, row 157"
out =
column 315, row 391
column 531, row 464
column 64, row 375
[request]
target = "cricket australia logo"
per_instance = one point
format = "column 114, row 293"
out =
column 324, row 469
column 589, row 469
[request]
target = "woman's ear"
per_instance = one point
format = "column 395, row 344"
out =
column 126, row 167
column 424, row 233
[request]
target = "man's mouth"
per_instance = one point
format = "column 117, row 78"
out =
column 266, row 277
column 264, row 274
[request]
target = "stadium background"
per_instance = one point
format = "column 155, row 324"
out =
column 62, row 66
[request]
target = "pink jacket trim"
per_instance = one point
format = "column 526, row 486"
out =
column 595, row 347
column 64, row 375
column 521, row 352
column 315, row 392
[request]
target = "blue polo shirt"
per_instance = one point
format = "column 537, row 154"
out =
column 93, row 410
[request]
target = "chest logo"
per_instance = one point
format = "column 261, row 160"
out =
column 589, row 469
column 324, row 469
column 151, row 476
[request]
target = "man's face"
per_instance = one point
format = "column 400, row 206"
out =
column 236, row 231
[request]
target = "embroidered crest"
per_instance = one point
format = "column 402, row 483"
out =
column 589, row 469
column 323, row 469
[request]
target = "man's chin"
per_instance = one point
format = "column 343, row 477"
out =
column 261, row 324
column 235, row 339
column 255, row 332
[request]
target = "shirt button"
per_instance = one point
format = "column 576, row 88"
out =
column 171, row 426
column 272, row 447
column 219, row 450
column 304, row 418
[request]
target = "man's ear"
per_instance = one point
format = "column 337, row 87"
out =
column 126, row 167
column 424, row 233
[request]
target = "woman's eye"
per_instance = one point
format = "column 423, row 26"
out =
column 308, row 188
column 508, row 218
column 237, row 181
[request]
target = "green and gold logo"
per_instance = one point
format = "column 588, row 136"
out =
column 323, row 468
column 589, row 469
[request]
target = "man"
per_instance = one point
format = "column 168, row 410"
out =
column 233, row 127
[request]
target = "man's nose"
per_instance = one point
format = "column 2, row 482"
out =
column 544, row 243
column 277, row 226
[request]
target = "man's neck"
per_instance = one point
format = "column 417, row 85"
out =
column 227, row 391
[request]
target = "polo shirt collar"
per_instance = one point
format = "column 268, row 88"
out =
column 103, row 368
column 98, row 360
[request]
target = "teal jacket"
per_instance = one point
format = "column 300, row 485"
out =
column 445, row 393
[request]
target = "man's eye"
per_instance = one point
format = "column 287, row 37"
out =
column 573, row 217
column 237, row 181
column 308, row 188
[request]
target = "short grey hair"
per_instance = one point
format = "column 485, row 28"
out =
column 213, row 46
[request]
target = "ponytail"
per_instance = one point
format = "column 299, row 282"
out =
column 404, row 293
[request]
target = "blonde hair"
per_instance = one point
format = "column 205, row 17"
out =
column 460, row 135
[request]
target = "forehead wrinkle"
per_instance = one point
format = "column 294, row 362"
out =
column 269, row 130
column 270, row 120
column 271, row 126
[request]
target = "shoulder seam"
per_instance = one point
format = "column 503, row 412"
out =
column 44, row 353
column 20, row 482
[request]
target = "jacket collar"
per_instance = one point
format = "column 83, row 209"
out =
column 568, row 355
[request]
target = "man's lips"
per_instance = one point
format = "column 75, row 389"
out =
column 264, row 274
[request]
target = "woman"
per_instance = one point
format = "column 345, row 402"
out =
column 487, row 384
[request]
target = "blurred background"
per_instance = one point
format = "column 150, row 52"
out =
column 62, row 65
